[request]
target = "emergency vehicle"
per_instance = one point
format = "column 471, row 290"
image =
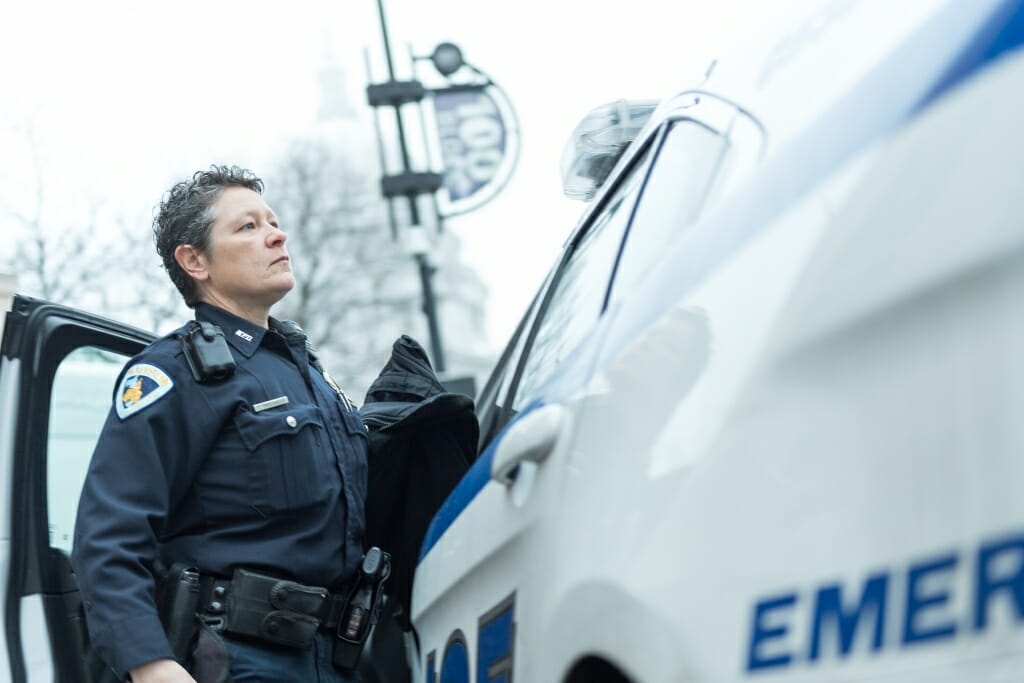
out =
column 762, row 422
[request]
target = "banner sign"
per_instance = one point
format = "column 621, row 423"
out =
column 474, row 142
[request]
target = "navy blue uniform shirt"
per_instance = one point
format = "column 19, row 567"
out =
column 264, row 470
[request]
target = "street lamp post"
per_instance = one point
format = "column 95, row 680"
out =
column 479, row 151
column 409, row 184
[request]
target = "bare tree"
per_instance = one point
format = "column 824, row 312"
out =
column 55, row 259
column 114, row 272
column 102, row 262
column 151, row 301
column 356, row 289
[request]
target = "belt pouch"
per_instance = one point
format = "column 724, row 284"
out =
column 273, row 610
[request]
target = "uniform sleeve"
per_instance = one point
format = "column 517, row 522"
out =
column 154, row 439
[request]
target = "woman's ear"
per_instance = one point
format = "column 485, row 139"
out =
column 192, row 261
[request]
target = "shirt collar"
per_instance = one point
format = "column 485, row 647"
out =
column 240, row 333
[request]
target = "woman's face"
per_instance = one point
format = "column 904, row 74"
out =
column 246, row 260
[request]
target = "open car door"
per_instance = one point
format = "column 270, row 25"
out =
column 57, row 372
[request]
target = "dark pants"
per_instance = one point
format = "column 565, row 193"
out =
column 251, row 662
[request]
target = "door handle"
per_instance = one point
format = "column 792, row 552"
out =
column 530, row 439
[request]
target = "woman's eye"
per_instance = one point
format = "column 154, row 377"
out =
column 249, row 226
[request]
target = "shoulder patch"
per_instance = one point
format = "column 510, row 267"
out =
column 143, row 385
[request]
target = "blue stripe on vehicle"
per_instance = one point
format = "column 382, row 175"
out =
column 895, row 92
column 472, row 483
column 1002, row 33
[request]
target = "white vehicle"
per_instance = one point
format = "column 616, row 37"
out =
column 763, row 421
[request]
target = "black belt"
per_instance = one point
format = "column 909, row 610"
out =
column 269, row 608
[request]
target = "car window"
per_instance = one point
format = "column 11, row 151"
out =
column 491, row 401
column 580, row 287
column 79, row 403
column 681, row 179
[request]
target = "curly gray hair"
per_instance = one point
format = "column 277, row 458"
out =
column 186, row 213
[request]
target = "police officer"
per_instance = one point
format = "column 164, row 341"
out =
column 260, row 468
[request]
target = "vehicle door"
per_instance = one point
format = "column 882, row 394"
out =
column 57, row 372
column 480, row 541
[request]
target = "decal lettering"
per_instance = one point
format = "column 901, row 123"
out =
column 455, row 662
column 925, row 599
column 494, row 655
column 994, row 582
column 495, row 642
column 430, row 669
column 828, row 609
column 762, row 632
column 839, row 623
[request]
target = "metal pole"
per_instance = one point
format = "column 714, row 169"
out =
column 438, row 216
column 425, row 269
column 426, row 280
column 392, row 221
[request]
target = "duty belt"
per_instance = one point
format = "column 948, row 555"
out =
column 270, row 609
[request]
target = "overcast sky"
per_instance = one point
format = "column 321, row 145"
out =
column 122, row 98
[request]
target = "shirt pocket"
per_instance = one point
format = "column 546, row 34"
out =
column 354, row 425
column 356, row 430
column 358, row 441
column 287, row 461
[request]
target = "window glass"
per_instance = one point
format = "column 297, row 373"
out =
column 492, row 399
column 580, row 289
column 678, row 185
column 82, row 390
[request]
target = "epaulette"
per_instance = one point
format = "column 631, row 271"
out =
column 292, row 330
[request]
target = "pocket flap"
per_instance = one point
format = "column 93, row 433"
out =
column 353, row 423
column 257, row 428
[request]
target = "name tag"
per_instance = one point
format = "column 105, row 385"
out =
column 272, row 403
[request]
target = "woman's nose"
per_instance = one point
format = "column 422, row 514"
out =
column 276, row 236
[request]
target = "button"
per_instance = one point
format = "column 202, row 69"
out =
column 220, row 591
column 291, row 421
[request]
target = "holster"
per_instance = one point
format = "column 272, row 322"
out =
column 177, row 603
column 362, row 610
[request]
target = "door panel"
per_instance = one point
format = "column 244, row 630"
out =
column 494, row 545
column 57, row 373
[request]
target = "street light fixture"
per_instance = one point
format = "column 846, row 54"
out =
column 447, row 59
